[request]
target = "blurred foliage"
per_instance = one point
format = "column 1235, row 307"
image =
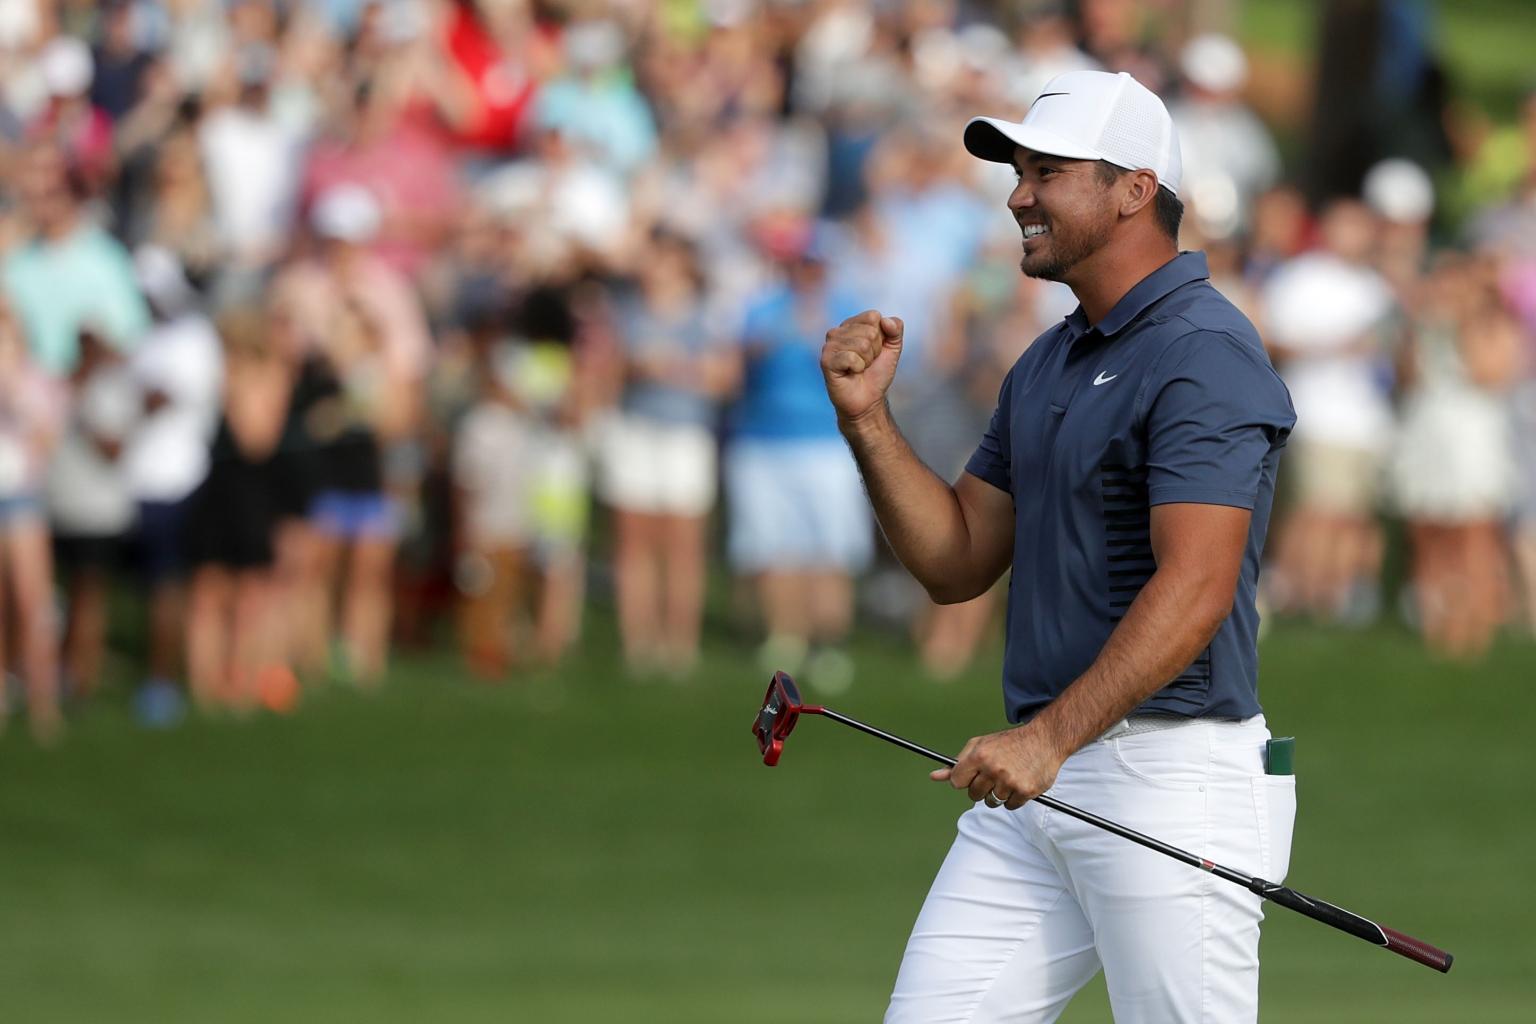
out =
column 1488, row 45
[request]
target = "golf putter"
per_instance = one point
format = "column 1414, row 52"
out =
column 782, row 708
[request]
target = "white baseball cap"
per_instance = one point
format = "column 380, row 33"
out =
column 346, row 212
column 67, row 66
column 1214, row 62
column 1088, row 115
column 1399, row 190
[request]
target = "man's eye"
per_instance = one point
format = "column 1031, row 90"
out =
column 1045, row 171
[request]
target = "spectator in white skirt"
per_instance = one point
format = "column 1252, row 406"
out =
column 660, row 454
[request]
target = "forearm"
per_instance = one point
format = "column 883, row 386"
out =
column 1166, row 627
column 922, row 518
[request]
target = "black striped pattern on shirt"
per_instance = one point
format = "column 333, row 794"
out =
column 1128, row 547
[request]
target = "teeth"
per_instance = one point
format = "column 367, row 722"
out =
column 1031, row 230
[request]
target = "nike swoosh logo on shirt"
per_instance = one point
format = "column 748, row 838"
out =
column 1101, row 379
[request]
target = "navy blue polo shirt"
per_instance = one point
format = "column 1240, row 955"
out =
column 1170, row 398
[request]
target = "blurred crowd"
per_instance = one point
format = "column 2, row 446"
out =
column 328, row 324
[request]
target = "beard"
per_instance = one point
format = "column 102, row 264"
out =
column 1064, row 249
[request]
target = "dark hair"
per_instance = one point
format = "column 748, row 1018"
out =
column 666, row 238
column 1167, row 207
column 1108, row 173
column 1170, row 212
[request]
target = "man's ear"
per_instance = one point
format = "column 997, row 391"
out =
column 1140, row 191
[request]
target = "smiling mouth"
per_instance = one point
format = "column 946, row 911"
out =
column 1035, row 231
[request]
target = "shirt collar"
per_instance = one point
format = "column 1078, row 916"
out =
column 1177, row 272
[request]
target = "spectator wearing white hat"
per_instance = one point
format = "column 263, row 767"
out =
column 1229, row 155
column 345, row 220
column 1402, row 195
column 404, row 164
column 366, row 344
column 69, row 116
column 1326, row 317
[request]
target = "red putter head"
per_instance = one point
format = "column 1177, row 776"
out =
column 776, row 720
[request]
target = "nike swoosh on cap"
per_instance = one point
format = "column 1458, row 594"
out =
column 1043, row 95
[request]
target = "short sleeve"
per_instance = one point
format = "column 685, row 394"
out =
column 117, row 306
column 993, row 459
column 1215, row 415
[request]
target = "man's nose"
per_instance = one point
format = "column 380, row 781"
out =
column 1022, row 197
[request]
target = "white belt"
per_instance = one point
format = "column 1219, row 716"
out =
column 1152, row 721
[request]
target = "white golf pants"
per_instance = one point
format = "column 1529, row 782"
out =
column 1030, row 904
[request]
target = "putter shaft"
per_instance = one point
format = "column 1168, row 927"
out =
column 1319, row 910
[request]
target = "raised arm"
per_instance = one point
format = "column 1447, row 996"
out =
column 955, row 540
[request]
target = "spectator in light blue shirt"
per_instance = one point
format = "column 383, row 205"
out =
column 70, row 275
column 798, row 520
column 597, row 104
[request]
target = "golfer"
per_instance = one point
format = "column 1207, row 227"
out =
column 1126, row 479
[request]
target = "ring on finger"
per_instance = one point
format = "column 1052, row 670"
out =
column 993, row 795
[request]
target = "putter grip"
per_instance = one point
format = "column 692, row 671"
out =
column 1354, row 924
column 1414, row 949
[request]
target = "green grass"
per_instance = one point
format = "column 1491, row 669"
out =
column 575, row 848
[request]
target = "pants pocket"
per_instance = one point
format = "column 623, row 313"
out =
column 1274, row 800
column 1174, row 759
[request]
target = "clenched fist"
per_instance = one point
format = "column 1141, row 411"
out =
column 859, row 362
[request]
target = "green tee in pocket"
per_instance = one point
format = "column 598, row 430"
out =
column 1280, row 756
